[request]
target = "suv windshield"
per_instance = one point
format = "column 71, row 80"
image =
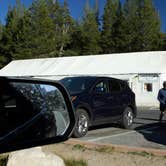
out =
column 76, row 84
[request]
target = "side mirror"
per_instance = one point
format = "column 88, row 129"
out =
column 33, row 112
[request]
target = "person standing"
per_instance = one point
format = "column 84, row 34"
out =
column 162, row 99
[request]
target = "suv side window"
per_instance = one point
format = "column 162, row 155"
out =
column 114, row 86
column 101, row 87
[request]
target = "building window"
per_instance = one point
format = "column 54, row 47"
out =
column 148, row 87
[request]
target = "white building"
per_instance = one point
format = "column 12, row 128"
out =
column 145, row 71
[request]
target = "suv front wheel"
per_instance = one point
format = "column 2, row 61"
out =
column 82, row 123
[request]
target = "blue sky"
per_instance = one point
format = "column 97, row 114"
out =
column 76, row 8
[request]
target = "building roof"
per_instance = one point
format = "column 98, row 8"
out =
column 108, row 64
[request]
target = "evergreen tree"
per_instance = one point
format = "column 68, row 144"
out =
column 118, row 32
column 90, row 34
column 97, row 13
column 2, row 57
column 143, row 25
column 67, row 24
column 164, row 42
column 62, row 25
column 55, row 12
column 109, row 19
column 74, row 48
column 1, row 30
column 43, row 41
column 96, row 10
column 11, row 32
column 150, row 26
column 24, row 42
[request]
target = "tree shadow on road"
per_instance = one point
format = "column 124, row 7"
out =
column 154, row 132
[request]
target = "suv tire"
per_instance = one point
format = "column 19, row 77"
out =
column 127, row 118
column 82, row 123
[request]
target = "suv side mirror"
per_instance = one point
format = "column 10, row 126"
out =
column 33, row 112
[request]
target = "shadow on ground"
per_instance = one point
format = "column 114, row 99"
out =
column 154, row 132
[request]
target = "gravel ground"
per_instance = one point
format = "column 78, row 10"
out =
column 104, row 156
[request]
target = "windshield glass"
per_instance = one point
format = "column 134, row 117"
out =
column 76, row 84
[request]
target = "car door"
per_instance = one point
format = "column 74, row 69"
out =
column 115, row 98
column 99, row 100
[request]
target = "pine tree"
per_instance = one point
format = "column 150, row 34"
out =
column 90, row 34
column 118, row 32
column 1, row 30
column 142, row 26
column 149, row 26
column 109, row 19
column 24, row 43
column 97, row 13
column 74, row 47
column 63, row 23
column 43, row 41
column 164, row 42
column 67, row 24
column 2, row 57
column 11, row 32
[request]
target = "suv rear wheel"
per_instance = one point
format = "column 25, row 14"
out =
column 127, row 118
column 82, row 123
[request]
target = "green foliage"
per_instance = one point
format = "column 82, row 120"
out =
column 143, row 154
column 109, row 21
column 143, row 24
column 42, row 34
column 1, row 30
column 96, row 10
column 118, row 33
column 164, row 42
column 1, row 56
column 90, row 34
column 23, row 45
column 74, row 48
column 85, row 34
column 62, row 25
column 79, row 147
column 11, row 32
column 105, row 149
column 73, row 162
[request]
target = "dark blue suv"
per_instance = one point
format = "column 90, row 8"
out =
column 99, row 100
